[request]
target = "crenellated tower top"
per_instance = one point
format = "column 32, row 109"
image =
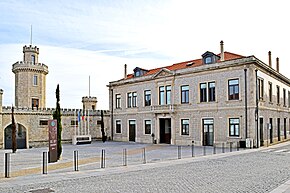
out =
column 30, row 79
column 89, row 103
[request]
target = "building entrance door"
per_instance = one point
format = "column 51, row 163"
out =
column 165, row 130
column 20, row 137
column 208, row 132
column 132, row 130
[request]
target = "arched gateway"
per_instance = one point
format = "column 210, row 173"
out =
column 20, row 136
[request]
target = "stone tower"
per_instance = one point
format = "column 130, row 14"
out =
column 30, row 80
column 89, row 103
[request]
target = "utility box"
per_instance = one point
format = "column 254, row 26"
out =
column 249, row 143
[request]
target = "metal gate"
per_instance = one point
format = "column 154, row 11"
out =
column 20, row 137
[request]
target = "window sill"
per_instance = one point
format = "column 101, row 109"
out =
column 234, row 100
column 235, row 137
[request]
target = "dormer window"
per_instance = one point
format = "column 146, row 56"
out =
column 210, row 58
column 139, row 72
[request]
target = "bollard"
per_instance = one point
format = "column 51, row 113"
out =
column 44, row 162
column 103, row 157
column 179, row 152
column 76, row 160
column 214, row 148
column 124, row 157
column 223, row 147
column 7, row 165
column 144, row 156
column 204, row 150
column 231, row 144
column 192, row 150
column 238, row 144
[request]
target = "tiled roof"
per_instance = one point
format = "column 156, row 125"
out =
column 189, row 64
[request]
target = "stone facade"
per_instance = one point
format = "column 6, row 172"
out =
column 32, row 126
column 244, row 119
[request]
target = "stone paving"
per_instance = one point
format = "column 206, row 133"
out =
column 29, row 161
column 255, row 170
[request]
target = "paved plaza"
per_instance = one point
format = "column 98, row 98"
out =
column 163, row 168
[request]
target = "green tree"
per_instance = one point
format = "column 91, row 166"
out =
column 57, row 116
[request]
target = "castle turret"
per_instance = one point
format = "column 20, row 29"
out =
column 30, row 79
column 89, row 103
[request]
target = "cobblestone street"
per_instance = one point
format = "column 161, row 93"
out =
column 255, row 170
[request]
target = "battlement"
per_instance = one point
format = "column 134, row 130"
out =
column 64, row 111
column 27, row 65
column 30, row 48
column 89, row 99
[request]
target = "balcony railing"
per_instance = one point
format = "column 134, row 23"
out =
column 163, row 108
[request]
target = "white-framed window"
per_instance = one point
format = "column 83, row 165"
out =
column 184, row 94
column 233, row 89
column 147, row 97
column 261, row 88
column 131, row 99
column 234, row 127
column 118, row 101
column 165, row 95
column 184, row 126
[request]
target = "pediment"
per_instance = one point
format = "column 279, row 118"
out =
column 163, row 72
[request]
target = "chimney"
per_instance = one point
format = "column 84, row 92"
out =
column 125, row 71
column 277, row 64
column 270, row 59
column 222, row 51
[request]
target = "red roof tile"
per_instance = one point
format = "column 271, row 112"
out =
column 189, row 64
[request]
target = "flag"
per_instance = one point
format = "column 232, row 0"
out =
column 79, row 116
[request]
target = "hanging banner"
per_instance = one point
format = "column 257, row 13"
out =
column 52, row 128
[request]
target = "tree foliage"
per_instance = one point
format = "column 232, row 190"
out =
column 57, row 116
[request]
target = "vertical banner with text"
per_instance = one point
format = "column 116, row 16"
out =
column 52, row 132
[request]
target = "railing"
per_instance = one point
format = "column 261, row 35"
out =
column 163, row 108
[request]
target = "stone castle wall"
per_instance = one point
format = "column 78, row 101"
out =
column 37, row 134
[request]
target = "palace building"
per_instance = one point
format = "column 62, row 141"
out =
column 31, row 114
column 217, row 98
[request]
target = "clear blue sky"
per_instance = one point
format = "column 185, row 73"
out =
column 78, row 39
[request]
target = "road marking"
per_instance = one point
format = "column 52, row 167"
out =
column 281, row 150
column 268, row 150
